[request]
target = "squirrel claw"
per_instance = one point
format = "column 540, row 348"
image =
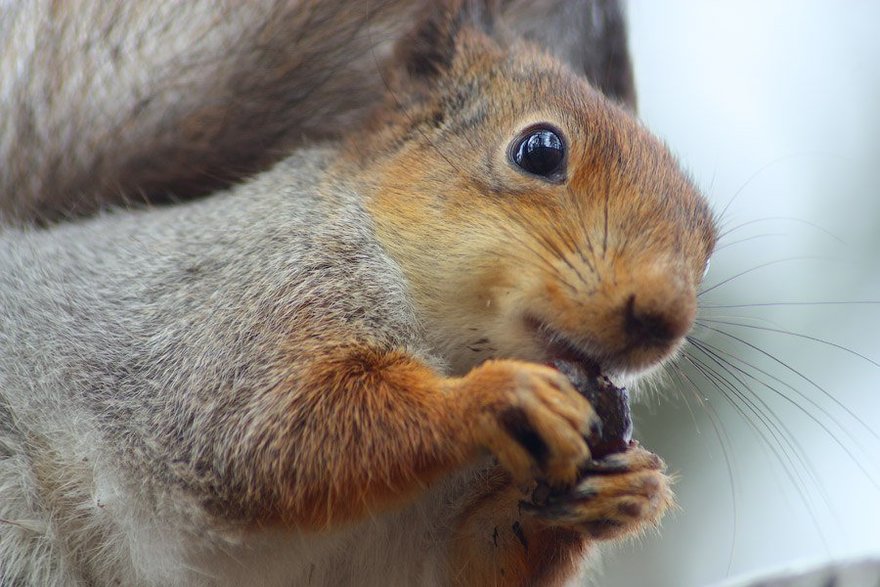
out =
column 620, row 495
column 531, row 419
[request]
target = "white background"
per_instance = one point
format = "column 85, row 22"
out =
column 778, row 104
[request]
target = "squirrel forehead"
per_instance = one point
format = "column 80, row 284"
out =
column 502, row 98
column 513, row 85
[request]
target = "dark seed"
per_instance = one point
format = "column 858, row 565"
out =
column 611, row 404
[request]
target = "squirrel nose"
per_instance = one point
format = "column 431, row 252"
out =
column 658, row 320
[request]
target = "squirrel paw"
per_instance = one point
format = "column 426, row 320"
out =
column 619, row 495
column 531, row 418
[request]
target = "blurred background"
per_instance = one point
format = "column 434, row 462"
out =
column 774, row 107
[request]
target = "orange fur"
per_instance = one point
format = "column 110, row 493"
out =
column 365, row 431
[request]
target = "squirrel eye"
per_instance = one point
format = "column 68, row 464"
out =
column 540, row 151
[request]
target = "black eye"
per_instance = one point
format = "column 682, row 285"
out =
column 540, row 151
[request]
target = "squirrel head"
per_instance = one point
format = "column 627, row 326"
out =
column 532, row 216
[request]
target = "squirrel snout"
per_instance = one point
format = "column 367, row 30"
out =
column 653, row 315
column 649, row 323
column 636, row 322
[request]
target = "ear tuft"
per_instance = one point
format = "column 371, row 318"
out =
column 429, row 50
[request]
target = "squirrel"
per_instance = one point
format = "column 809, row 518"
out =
column 335, row 371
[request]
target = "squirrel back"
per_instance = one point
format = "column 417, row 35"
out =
column 335, row 371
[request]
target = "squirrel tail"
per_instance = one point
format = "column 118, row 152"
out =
column 133, row 115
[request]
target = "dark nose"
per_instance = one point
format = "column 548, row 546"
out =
column 653, row 321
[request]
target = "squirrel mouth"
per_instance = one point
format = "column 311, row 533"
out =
column 559, row 347
column 610, row 402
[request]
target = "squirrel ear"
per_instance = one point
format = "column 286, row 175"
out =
column 429, row 50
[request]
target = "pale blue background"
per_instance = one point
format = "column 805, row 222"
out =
column 779, row 101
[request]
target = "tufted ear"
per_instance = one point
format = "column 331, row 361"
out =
column 429, row 50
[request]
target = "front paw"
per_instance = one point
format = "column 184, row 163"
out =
column 620, row 495
column 530, row 417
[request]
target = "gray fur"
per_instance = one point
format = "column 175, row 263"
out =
column 128, row 339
